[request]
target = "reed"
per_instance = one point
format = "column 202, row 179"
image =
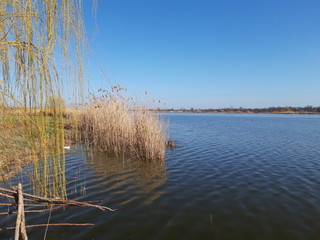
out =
column 117, row 125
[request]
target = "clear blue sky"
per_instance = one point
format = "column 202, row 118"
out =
column 210, row 53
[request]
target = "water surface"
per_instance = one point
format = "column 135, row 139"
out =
column 232, row 176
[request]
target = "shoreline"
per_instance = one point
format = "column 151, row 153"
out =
column 239, row 112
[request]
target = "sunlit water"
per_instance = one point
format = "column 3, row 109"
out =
column 232, row 176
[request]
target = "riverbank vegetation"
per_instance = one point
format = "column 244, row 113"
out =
column 41, row 56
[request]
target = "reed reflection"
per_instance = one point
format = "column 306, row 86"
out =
column 126, row 174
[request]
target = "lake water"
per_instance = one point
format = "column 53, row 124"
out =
column 232, row 176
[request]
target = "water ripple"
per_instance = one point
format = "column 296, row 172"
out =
column 231, row 177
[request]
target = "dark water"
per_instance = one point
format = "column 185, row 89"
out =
column 232, row 177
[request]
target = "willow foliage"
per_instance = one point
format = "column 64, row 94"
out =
column 41, row 56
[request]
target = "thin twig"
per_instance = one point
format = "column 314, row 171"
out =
column 45, row 234
column 7, row 204
column 5, row 34
column 6, row 195
column 51, row 224
column 31, row 211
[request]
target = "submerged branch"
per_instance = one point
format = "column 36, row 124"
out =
column 53, row 201
column 51, row 224
column 20, row 197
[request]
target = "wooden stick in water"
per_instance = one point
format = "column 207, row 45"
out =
column 20, row 222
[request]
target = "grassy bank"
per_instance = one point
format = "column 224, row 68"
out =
column 15, row 150
column 108, row 123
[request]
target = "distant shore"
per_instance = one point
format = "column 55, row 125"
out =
column 270, row 110
column 179, row 111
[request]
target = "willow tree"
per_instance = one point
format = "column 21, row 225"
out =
column 41, row 56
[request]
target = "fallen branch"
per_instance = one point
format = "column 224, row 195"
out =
column 20, row 198
column 7, row 204
column 34, row 198
column 31, row 211
column 7, row 190
column 51, row 224
column 6, row 195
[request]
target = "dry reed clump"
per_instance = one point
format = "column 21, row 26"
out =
column 111, row 124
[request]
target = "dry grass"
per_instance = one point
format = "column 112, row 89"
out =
column 22, row 143
column 15, row 151
column 112, row 124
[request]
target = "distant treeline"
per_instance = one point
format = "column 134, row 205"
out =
column 287, row 110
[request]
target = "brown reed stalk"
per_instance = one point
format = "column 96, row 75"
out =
column 113, row 124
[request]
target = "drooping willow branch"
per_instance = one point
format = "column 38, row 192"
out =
column 23, row 45
column 41, row 52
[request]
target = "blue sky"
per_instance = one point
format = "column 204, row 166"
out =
column 209, row 53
